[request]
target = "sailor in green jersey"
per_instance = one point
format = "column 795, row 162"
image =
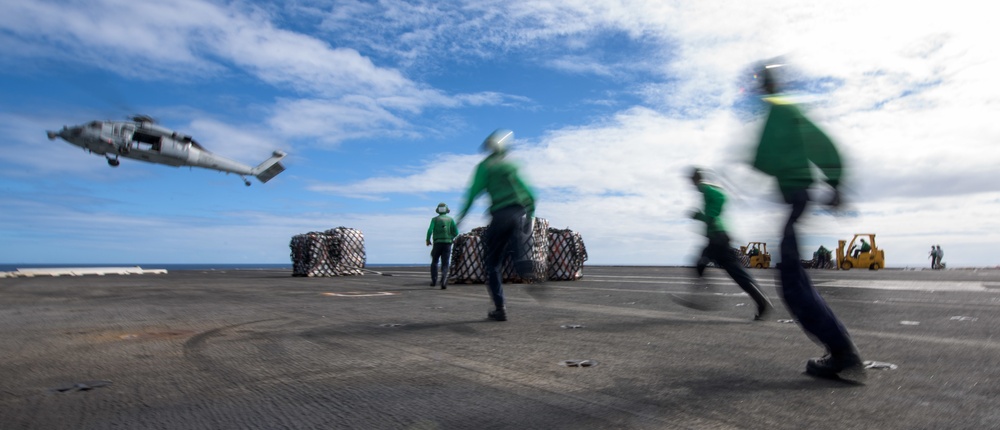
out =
column 719, row 249
column 865, row 247
column 789, row 145
column 512, row 206
column 443, row 231
column 822, row 258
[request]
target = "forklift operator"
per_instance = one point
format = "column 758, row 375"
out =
column 865, row 247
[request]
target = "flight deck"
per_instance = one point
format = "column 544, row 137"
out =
column 237, row 349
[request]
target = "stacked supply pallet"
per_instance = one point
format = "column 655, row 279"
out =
column 335, row 252
column 553, row 254
column 537, row 247
column 467, row 258
column 566, row 255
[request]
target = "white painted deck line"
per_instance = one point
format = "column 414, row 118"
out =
column 912, row 285
column 81, row 271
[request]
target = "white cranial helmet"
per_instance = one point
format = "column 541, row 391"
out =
column 498, row 140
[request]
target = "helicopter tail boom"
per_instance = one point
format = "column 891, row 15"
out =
column 269, row 168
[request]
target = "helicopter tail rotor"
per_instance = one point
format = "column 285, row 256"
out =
column 270, row 167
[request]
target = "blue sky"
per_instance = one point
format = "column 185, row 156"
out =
column 381, row 106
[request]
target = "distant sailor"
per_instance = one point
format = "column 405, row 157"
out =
column 442, row 231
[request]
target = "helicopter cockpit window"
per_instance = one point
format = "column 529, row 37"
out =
column 125, row 129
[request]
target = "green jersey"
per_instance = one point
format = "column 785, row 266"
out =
column 712, row 215
column 789, row 143
column 442, row 229
column 499, row 178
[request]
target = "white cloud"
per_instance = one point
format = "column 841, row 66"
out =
column 132, row 38
column 907, row 111
column 911, row 97
column 639, row 151
column 249, row 146
column 446, row 173
column 188, row 38
column 210, row 236
column 582, row 65
column 333, row 121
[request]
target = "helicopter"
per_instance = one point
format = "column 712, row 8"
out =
column 141, row 139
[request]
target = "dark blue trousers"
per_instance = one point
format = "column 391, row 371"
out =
column 801, row 297
column 502, row 235
column 720, row 251
column 440, row 251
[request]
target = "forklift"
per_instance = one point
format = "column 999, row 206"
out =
column 873, row 259
column 755, row 255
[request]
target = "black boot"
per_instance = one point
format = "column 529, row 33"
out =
column 499, row 314
column 762, row 314
column 764, row 310
column 845, row 365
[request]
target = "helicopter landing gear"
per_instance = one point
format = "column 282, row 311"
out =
column 245, row 181
column 113, row 162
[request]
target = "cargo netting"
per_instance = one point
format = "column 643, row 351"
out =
column 537, row 245
column 744, row 259
column 335, row 252
column 467, row 258
column 566, row 255
column 554, row 254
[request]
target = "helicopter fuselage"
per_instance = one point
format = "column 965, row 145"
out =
column 145, row 141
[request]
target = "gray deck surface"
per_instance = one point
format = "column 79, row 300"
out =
column 261, row 349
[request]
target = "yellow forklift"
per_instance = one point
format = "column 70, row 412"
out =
column 755, row 255
column 857, row 256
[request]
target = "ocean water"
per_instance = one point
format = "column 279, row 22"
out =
column 250, row 266
column 5, row 267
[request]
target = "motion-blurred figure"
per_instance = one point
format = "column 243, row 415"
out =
column 442, row 231
column 823, row 258
column 512, row 208
column 719, row 249
column 788, row 145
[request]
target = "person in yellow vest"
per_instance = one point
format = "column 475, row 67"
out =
column 442, row 232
